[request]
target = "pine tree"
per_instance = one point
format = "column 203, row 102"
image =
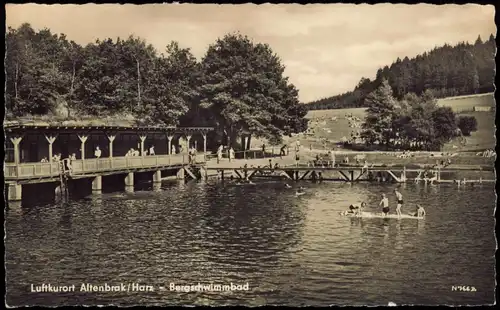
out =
column 380, row 114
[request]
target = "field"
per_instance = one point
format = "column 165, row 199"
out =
column 467, row 103
column 328, row 127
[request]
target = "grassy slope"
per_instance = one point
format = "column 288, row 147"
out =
column 324, row 127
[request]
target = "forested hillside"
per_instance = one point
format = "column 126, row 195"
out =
column 447, row 71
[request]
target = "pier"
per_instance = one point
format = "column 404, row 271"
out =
column 31, row 148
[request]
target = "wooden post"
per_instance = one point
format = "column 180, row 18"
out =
column 169, row 138
column 143, row 138
column 204, row 146
column 16, row 141
column 188, row 144
column 111, row 138
column 83, row 139
column 51, row 140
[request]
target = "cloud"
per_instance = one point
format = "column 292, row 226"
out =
column 326, row 48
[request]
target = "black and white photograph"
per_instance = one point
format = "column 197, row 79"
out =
column 183, row 154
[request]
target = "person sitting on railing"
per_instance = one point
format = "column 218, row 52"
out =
column 73, row 156
column 152, row 150
column 135, row 152
column 44, row 160
column 97, row 152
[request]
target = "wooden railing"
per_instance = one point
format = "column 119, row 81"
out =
column 95, row 165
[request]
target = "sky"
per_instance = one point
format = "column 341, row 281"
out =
column 326, row 48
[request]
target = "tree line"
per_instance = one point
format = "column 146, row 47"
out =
column 445, row 71
column 412, row 122
column 238, row 87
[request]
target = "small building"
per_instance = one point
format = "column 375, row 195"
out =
column 482, row 109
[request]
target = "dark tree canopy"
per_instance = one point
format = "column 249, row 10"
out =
column 467, row 124
column 238, row 86
column 245, row 92
column 414, row 122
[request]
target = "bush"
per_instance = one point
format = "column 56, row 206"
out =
column 467, row 124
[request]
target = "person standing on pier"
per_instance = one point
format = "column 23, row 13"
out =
column 219, row 153
column 152, row 150
column 282, row 151
column 385, row 204
column 231, row 153
column 332, row 158
column 399, row 197
column 97, row 152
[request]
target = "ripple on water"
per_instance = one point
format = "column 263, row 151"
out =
column 291, row 250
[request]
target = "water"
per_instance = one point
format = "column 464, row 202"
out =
column 290, row 250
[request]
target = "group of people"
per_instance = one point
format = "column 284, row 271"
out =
column 133, row 152
column 487, row 153
column 57, row 157
column 356, row 209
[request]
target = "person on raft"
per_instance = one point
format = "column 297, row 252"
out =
column 355, row 209
column 385, row 204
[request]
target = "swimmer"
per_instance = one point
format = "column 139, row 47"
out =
column 356, row 209
column 420, row 212
column 399, row 197
column 385, row 204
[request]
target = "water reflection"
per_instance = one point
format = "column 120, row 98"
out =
column 292, row 250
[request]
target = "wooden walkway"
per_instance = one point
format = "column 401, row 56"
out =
column 346, row 172
column 97, row 166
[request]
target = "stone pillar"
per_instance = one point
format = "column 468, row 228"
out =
column 129, row 182
column 97, row 185
column 143, row 138
column 204, row 147
column 111, row 138
column 180, row 174
column 16, row 141
column 51, row 140
column 157, row 176
column 83, row 139
column 15, row 192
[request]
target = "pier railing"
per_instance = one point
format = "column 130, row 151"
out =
column 96, row 165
